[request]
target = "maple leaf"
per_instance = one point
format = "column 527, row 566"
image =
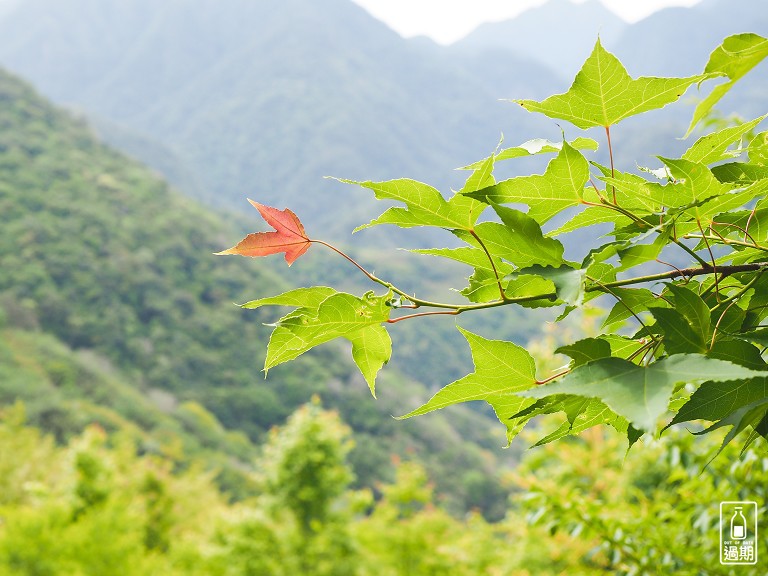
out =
column 289, row 236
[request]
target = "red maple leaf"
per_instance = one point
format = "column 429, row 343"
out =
column 288, row 237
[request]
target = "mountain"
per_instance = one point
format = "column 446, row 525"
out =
column 263, row 99
column 677, row 41
column 113, row 309
column 558, row 34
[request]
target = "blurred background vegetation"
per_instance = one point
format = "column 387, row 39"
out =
column 96, row 504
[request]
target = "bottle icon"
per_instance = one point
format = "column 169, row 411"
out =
column 738, row 525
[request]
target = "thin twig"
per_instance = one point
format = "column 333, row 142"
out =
column 675, row 267
column 546, row 380
column 440, row 312
column 612, row 293
column 746, row 234
column 490, row 259
column 696, row 257
column 712, row 256
column 749, row 221
column 610, row 152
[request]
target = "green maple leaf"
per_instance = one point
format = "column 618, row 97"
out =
column 716, row 400
column 518, row 239
column 322, row 314
column 591, row 216
column 371, row 350
column 310, row 298
column 714, row 147
column 560, row 187
column 679, row 336
column 640, row 394
column 758, row 149
column 470, row 255
column 693, row 308
column 568, row 281
column 730, row 223
column 339, row 315
column 501, row 369
column 719, row 205
column 740, row 172
column 424, row 205
column 754, row 415
column 603, row 93
column 694, row 184
column 531, row 148
column 634, row 301
column 582, row 414
column 736, row 56
column 585, row 350
column 482, row 175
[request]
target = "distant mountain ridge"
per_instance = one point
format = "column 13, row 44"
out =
column 263, row 99
column 558, row 34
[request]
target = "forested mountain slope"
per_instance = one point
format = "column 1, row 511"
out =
column 105, row 265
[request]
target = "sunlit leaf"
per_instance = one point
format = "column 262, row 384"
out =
column 533, row 147
column 501, row 369
column 736, row 56
column 339, row 315
column 603, row 93
column 518, row 239
column 371, row 350
column 714, row 147
column 299, row 297
column 560, row 187
column 424, row 205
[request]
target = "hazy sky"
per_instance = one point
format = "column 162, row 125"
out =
column 448, row 20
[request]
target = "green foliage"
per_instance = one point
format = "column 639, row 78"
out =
column 689, row 331
column 305, row 468
column 654, row 512
column 94, row 506
column 734, row 58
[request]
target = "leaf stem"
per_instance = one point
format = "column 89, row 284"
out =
column 695, row 256
column 616, row 208
column 688, row 272
column 610, row 153
column 456, row 309
column 723, row 238
column 717, row 324
column 712, row 256
column 726, row 241
column 553, row 377
column 733, row 297
column 643, row 349
column 490, row 259
column 418, row 302
column 749, row 221
column 419, row 314
column 612, row 293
